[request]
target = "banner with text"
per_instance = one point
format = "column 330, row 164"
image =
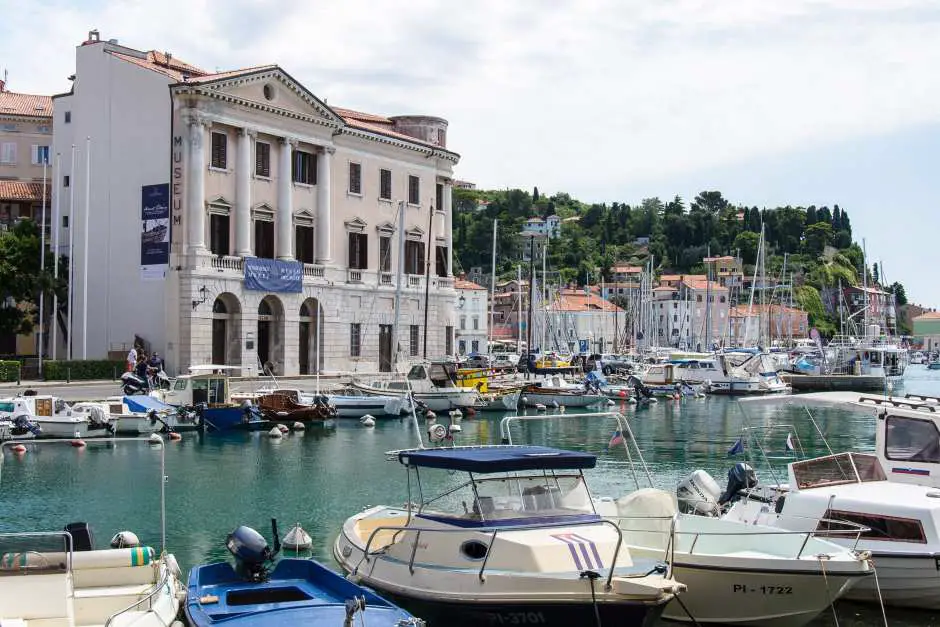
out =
column 273, row 275
column 154, row 231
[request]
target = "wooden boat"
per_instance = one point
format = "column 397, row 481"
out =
column 284, row 405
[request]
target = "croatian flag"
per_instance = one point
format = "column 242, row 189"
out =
column 790, row 446
column 737, row 448
column 615, row 439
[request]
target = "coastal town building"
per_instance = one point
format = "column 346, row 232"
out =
column 870, row 306
column 580, row 320
column 727, row 271
column 762, row 323
column 549, row 227
column 690, row 313
column 235, row 218
column 927, row 329
column 25, row 140
column 472, row 317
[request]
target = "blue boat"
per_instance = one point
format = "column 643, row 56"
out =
column 205, row 390
column 296, row 592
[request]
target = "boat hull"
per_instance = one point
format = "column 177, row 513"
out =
column 773, row 598
column 908, row 581
column 64, row 429
column 500, row 402
column 135, row 425
column 359, row 406
column 531, row 399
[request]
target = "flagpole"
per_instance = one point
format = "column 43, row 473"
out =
column 55, row 260
column 85, row 249
column 71, row 252
column 42, row 267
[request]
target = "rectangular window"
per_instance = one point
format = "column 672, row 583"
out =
column 413, row 340
column 304, row 168
column 414, row 257
column 886, row 528
column 441, row 261
column 264, row 239
column 475, row 346
column 463, row 323
column 262, row 159
column 385, row 184
column 476, row 323
column 385, row 254
column 355, row 339
column 219, row 149
column 414, row 190
column 303, row 237
column 439, row 197
column 358, row 251
column 219, row 234
column 68, row 117
column 448, row 340
column 66, row 181
column 441, row 138
column 355, row 178
column 698, row 298
column 39, row 155
column 8, row 152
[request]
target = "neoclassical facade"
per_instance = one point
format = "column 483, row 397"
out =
column 288, row 222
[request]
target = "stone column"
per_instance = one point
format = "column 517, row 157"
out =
column 324, row 210
column 285, row 212
column 196, row 184
column 449, row 226
column 243, row 193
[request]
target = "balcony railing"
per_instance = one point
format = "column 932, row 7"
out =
column 227, row 263
column 313, row 271
column 385, row 278
column 445, row 282
column 414, row 280
column 354, row 276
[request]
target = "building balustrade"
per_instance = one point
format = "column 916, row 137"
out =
column 313, row 271
column 354, row 276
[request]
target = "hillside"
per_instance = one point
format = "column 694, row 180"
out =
column 817, row 241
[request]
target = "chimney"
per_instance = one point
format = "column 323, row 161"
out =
column 3, row 85
column 169, row 58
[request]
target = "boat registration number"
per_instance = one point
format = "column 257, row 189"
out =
column 741, row 588
column 517, row 618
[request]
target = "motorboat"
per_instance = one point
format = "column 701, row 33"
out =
column 124, row 420
column 515, row 539
column 353, row 403
column 293, row 592
column 739, row 374
column 917, row 358
column 63, row 578
column 16, row 426
column 206, row 390
column 555, row 391
column 163, row 417
column 500, row 399
column 289, row 406
column 56, row 419
column 432, row 384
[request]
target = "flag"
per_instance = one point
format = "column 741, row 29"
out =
column 615, row 439
column 737, row 448
column 790, row 446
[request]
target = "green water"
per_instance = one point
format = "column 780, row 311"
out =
column 322, row 477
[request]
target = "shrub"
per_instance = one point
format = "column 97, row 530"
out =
column 9, row 370
column 79, row 370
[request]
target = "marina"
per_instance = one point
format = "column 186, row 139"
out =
column 322, row 477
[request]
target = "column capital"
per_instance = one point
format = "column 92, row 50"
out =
column 290, row 141
column 250, row 132
column 327, row 150
column 197, row 118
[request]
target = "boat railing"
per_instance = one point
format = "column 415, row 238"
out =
column 148, row 598
column 493, row 531
column 31, row 561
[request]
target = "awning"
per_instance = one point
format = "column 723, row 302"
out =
column 485, row 459
column 144, row 404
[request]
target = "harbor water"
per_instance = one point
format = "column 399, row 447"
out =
column 321, row 477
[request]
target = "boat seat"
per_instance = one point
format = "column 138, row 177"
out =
column 95, row 605
column 113, row 567
column 383, row 538
column 37, row 599
column 645, row 517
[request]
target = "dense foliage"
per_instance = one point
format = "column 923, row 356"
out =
column 22, row 279
column 815, row 241
column 82, row 370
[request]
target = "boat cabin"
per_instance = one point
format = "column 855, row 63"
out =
column 34, row 405
column 504, row 485
column 660, row 374
column 205, row 384
column 433, row 375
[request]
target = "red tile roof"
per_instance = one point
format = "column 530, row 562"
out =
column 703, row 284
column 12, row 103
column 230, row 74
column 577, row 300
column 930, row 315
column 363, row 117
column 671, row 277
column 19, row 190
column 463, row 284
column 627, row 269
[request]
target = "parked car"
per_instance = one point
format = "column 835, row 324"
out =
column 609, row 364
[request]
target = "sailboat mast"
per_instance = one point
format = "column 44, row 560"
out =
column 401, row 263
column 519, row 314
column 489, row 342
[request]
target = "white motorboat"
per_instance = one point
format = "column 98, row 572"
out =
column 739, row 374
column 555, row 391
column 124, row 420
column 497, row 399
column 56, row 419
column 61, row 578
column 518, row 540
column 433, row 384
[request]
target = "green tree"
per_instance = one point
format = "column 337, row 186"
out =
column 816, row 238
column 811, row 302
column 21, row 280
column 900, row 296
column 747, row 243
column 811, row 215
column 874, row 274
column 710, row 202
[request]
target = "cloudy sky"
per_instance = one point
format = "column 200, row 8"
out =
column 797, row 102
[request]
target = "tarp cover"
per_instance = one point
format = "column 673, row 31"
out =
column 484, row 459
column 143, row 404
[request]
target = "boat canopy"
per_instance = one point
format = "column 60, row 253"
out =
column 487, row 459
column 144, row 404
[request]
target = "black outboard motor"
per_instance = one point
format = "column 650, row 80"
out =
column 23, row 425
column 131, row 384
column 251, row 551
column 740, row 477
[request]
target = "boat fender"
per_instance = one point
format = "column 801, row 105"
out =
column 471, row 411
column 437, row 433
column 77, row 443
column 275, row 433
column 283, row 429
column 367, row 421
column 124, row 540
column 610, row 402
column 174, row 568
column 430, row 415
column 155, row 439
column 299, row 426
column 174, row 436
column 19, row 449
column 456, row 428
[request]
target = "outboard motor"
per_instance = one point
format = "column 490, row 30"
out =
column 251, row 551
column 132, row 384
column 23, row 425
column 740, row 477
column 699, row 494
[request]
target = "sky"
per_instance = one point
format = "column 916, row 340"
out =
column 798, row 102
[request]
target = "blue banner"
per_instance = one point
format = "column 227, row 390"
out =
column 155, row 230
column 273, row 275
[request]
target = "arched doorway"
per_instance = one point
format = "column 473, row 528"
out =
column 271, row 335
column 226, row 332
column 311, row 331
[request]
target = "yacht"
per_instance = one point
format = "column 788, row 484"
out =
column 433, row 384
column 515, row 539
column 56, row 419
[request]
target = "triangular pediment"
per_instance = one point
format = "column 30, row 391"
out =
column 386, row 228
column 414, row 233
column 357, row 224
column 268, row 87
column 220, row 201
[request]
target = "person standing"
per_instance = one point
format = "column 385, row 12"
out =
column 132, row 359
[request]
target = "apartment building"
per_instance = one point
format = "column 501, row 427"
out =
column 25, row 138
column 472, row 317
column 235, row 218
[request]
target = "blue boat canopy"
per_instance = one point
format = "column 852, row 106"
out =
column 144, row 404
column 485, row 459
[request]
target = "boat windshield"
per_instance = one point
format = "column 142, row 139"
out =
column 7, row 407
column 912, row 439
column 837, row 470
column 515, row 498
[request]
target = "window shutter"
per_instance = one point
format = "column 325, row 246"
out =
column 352, row 250
column 34, row 154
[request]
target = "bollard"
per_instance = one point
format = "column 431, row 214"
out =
column 113, row 373
column 68, row 375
